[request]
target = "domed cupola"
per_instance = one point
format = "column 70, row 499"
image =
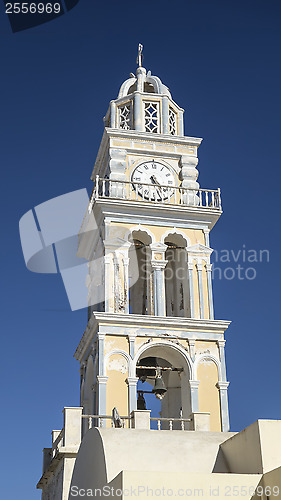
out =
column 145, row 104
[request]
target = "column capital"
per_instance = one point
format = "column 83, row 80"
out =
column 132, row 381
column 222, row 385
column 107, row 259
column 158, row 264
column 102, row 379
column 221, row 343
column 194, row 384
column 209, row 267
column 191, row 342
column 190, row 266
column 199, row 266
column 101, row 336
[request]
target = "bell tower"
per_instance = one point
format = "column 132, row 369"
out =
column 146, row 238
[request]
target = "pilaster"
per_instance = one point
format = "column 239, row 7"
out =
column 223, row 386
column 102, row 381
column 188, row 176
column 200, row 284
column 191, row 289
column 132, row 384
column 194, row 385
column 210, row 291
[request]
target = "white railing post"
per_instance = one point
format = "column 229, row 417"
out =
column 219, row 197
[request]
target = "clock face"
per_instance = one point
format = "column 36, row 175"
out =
column 155, row 175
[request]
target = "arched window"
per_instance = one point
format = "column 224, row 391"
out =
column 176, row 277
column 140, row 274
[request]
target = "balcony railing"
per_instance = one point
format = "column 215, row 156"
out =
column 155, row 193
column 100, row 421
column 162, row 423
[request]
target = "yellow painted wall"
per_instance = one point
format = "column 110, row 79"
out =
column 209, row 400
column 117, row 388
column 116, row 342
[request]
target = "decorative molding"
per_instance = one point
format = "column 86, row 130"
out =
column 174, row 230
column 102, row 379
column 199, row 328
column 140, row 228
column 222, row 385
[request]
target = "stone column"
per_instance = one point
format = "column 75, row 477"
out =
column 222, row 386
column 101, row 337
column 158, row 264
column 210, row 291
column 132, row 383
column 159, row 288
column 188, row 175
column 191, row 290
column 181, row 124
column 194, row 385
column 165, row 114
column 200, row 284
column 113, row 123
column 137, row 112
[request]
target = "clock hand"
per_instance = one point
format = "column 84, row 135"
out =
column 157, row 185
column 154, row 180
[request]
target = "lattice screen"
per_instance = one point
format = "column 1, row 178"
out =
column 151, row 116
column 125, row 116
column 172, row 121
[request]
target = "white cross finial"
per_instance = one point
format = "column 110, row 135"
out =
column 140, row 56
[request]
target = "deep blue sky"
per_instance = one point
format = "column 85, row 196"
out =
column 221, row 60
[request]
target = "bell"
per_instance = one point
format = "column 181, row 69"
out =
column 141, row 404
column 159, row 388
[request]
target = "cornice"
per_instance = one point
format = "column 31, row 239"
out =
column 161, row 213
column 146, row 322
column 149, row 137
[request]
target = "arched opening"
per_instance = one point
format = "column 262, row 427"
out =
column 132, row 89
column 149, row 87
column 176, row 277
column 140, row 273
column 175, row 373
